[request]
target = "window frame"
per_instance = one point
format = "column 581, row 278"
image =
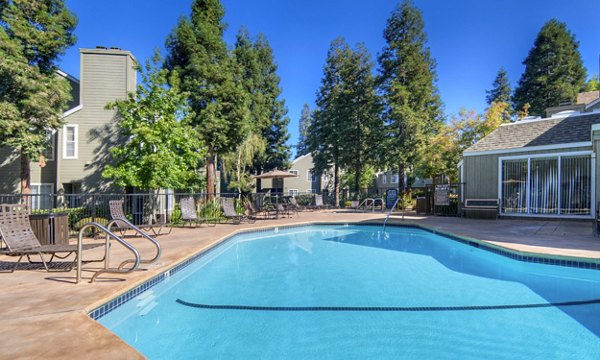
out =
column 75, row 128
column 52, row 145
column 559, row 156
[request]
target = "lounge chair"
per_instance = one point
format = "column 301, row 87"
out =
column 189, row 212
column 229, row 211
column 319, row 202
column 15, row 230
column 355, row 204
column 267, row 212
column 117, row 214
column 294, row 204
column 291, row 208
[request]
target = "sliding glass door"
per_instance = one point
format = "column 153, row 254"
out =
column 544, row 186
column 548, row 185
column 576, row 185
column 514, row 186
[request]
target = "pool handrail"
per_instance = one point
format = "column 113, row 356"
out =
column 145, row 235
column 390, row 213
column 109, row 235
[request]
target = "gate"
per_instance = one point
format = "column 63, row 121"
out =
column 444, row 199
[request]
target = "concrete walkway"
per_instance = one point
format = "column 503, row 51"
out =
column 45, row 314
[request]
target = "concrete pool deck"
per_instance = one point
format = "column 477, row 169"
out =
column 45, row 314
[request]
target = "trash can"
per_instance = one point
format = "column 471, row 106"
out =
column 50, row 229
column 421, row 205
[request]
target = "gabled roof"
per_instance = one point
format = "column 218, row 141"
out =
column 522, row 134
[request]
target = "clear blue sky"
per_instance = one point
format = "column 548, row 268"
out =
column 470, row 39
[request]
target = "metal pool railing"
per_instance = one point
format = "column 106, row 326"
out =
column 390, row 213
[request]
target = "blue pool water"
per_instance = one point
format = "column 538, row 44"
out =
column 403, row 294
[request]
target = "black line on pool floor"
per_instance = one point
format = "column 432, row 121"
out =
column 386, row 308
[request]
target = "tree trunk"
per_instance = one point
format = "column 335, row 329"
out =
column 336, row 184
column 210, row 175
column 357, row 172
column 401, row 183
column 25, row 174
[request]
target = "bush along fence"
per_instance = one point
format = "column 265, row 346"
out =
column 141, row 208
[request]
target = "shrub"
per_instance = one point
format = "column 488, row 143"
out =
column 305, row 199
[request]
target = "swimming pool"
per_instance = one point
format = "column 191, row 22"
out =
column 337, row 292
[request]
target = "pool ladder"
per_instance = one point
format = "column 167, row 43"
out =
column 109, row 234
column 390, row 213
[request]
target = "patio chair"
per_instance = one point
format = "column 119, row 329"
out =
column 291, row 208
column 229, row 211
column 294, row 204
column 117, row 213
column 355, row 204
column 319, row 202
column 267, row 211
column 15, row 230
column 189, row 212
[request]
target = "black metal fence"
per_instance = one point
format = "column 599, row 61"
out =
column 445, row 199
column 141, row 208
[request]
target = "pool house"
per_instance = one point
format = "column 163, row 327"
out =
column 538, row 167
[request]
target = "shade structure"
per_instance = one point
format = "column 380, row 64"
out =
column 275, row 174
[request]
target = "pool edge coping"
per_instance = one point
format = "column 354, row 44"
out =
column 104, row 306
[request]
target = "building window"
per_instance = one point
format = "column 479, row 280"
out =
column 310, row 176
column 41, row 198
column 50, row 146
column 293, row 192
column 395, row 179
column 384, row 179
column 546, row 185
column 295, row 172
column 70, row 139
column 311, row 191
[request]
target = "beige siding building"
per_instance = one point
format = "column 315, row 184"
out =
column 80, row 150
column 305, row 182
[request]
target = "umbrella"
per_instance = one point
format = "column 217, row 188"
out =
column 275, row 174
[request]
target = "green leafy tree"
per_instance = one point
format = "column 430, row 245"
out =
column 236, row 163
column 501, row 90
column 33, row 34
column 161, row 149
column 202, row 66
column 592, row 84
column 412, row 106
column 554, row 70
column 444, row 149
column 304, row 125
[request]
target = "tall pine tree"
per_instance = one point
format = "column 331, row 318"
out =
column 203, row 68
column 325, row 141
column 304, row 125
column 346, row 124
column 501, row 90
column 412, row 106
column 33, row 34
column 363, row 126
column 267, row 110
column 554, row 70
column 277, row 153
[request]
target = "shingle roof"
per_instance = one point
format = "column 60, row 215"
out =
column 540, row 132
